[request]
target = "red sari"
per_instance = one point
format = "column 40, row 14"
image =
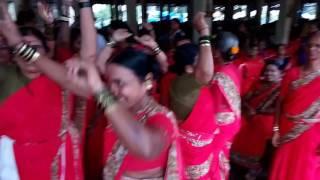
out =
column 198, row 133
column 250, row 143
column 296, row 158
column 250, row 70
column 118, row 160
column 226, row 93
column 48, row 144
column 165, row 84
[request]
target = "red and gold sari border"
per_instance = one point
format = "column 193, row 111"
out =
column 225, row 118
column 230, row 90
column 198, row 171
column 305, row 80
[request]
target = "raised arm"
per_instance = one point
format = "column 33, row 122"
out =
column 63, row 39
column 46, row 15
column 88, row 50
column 55, row 71
column 142, row 140
column 118, row 36
column 149, row 42
column 205, row 67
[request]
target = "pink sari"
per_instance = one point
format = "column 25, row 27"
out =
column 296, row 158
column 47, row 125
column 226, row 93
column 197, row 138
column 118, row 160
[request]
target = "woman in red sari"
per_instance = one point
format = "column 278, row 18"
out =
column 297, row 136
column 192, row 102
column 250, row 67
column 226, row 93
column 258, row 118
column 141, row 139
column 45, row 123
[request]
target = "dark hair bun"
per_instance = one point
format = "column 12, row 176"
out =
column 139, row 62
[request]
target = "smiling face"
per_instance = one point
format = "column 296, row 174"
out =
column 30, row 70
column 125, row 85
column 272, row 73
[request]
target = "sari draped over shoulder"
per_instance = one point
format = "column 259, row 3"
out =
column 118, row 160
column 296, row 157
column 226, row 94
column 193, row 103
column 47, row 125
column 250, row 143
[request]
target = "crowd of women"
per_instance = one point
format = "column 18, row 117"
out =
column 73, row 106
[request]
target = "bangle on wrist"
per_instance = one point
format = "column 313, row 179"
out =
column 26, row 53
column 276, row 129
column 205, row 41
column 86, row 4
column 156, row 51
column 64, row 18
column 105, row 99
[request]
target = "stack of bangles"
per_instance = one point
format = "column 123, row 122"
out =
column 276, row 129
column 205, row 41
column 105, row 99
column 156, row 51
column 26, row 52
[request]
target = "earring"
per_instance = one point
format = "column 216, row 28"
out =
column 149, row 85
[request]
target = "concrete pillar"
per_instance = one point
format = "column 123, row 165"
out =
column 318, row 9
column 144, row 10
column 229, row 11
column 259, row 4
column 161, row 4
column 200, row 5
column 132, row 15
column 285, row 20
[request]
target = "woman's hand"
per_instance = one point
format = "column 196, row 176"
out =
column 200, row 24
column 8, row 28
column 147, row 41
column 45, row 12
column 120, row 35
column 276, row 139
column 85, row 75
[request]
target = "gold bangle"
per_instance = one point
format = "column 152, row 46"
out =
column 105, row 99
column 34, row 58
column 276, row 129
column 205, row 45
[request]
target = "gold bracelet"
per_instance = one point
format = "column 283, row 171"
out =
column 105, row 99
column 34, row 58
